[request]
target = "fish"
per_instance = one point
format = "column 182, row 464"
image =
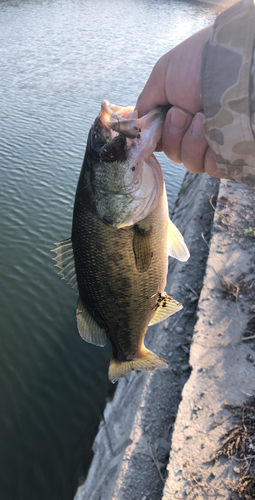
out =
column 121, row 238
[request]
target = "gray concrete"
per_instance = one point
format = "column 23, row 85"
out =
column 223, row 367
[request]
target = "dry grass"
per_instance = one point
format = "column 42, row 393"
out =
column 228, row 289
column 249, row 330
column 232, row 291
column 239, row 441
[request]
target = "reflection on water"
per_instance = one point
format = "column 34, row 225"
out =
column 58, row 60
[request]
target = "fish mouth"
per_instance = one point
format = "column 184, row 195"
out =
column 113, row 132
column 118, row 133
column 125, row 121
column 120, row 119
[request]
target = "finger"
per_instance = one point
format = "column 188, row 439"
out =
column 210, row 164
column 194, row 145
column 176, row 124
column 154, row 93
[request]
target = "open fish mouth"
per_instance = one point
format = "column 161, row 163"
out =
column 124, row 120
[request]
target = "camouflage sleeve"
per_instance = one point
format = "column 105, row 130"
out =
column 228, row 92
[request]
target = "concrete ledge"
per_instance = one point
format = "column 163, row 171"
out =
column 223, row 367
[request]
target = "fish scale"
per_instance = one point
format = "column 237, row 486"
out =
column 102, row 274
column 121, row 238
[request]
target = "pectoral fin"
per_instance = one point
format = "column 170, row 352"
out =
column 167, row 307
column 177, row 248
column 147, row 361
column 65, row 261
column 142, row 248
column 88, row 328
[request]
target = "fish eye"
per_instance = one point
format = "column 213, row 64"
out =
column 97, row 145
column 133, row 168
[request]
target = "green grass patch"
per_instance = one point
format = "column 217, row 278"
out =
column 249, row 232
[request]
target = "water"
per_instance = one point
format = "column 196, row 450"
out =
column 58, row 60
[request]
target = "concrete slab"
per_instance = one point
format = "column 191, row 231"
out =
column 223, row 367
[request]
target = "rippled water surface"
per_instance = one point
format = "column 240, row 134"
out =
column 58, row 60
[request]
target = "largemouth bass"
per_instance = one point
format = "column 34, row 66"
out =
column 121, row 238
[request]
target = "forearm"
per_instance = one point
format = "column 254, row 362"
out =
column 228, row 93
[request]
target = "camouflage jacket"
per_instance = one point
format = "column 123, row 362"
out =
column 228, row 92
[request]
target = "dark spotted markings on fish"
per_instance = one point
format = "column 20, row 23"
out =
column 114, row 151
column 119, row 267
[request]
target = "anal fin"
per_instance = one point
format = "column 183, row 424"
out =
column 167, row 307
column 177, row 247
column 147, row 361
column 88, row 329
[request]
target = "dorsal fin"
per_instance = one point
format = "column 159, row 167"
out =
column 177, row 248
column 167, row 307
column 88, row 328
column 65, row 261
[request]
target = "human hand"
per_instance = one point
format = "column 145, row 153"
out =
column 175, row 79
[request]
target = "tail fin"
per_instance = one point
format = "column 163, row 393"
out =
column 148, row 361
